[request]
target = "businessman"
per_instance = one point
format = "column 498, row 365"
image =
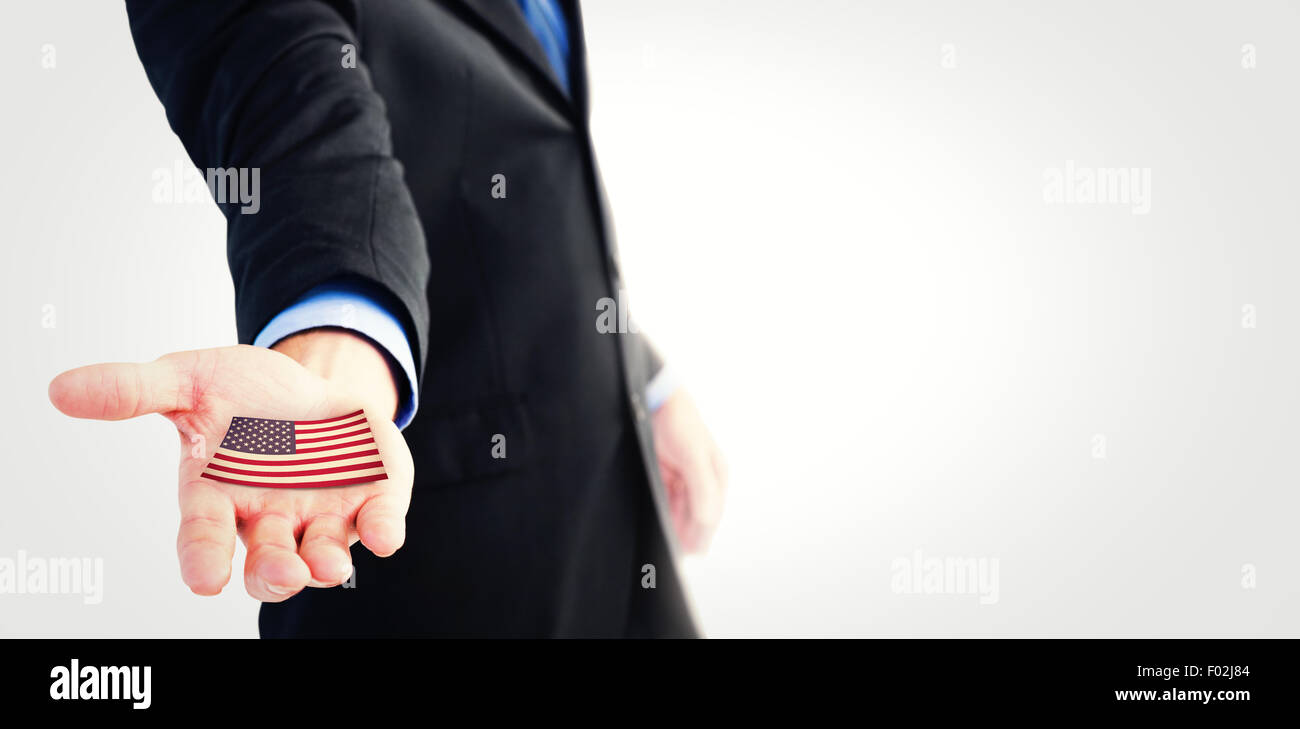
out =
column 429, row 244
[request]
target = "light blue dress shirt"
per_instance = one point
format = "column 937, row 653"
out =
column 355, row 308
column 350, row 306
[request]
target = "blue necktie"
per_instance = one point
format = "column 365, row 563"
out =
column 546, row 20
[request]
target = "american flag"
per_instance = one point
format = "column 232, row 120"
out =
column 295, row 454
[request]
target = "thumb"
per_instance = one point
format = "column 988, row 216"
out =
column 119, row 390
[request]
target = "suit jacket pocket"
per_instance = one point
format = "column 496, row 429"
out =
column 465, row 442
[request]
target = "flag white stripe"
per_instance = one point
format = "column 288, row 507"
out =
column 272, row 467
column 375, row 472
column 322, row 430
column 271, row 459
column 298, row 443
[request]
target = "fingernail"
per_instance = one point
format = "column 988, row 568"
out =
column 277, row 589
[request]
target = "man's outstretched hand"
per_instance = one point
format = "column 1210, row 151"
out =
column 295, row 537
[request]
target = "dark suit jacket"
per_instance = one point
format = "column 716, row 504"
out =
column 383, row 174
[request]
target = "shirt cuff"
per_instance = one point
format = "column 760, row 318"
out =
column 348, row 306
column 661, row 387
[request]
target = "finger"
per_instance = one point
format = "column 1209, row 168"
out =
column 702, row 484
column 381, row 523
column 120, row 390
column 273, row 571
column 693, row 532
column 686, row 534
column 701, row 539
column 381, row 520
column 205, row 543
column 678, row 508
column 720, row 469
column 324, row 548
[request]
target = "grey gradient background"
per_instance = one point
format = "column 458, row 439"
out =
column 843, row 246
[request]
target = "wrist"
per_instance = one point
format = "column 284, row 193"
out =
column 347, row 361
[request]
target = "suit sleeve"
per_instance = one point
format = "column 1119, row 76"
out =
column 653, row 361
column 262, row 86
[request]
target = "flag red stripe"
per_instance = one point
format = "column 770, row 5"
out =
column 308, row 472
column 324, row 438
column 296, row 423
column 336, row 446
column 328, row 428
column 296, row 462
column 306, row 484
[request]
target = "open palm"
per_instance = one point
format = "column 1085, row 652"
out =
column 295, row 537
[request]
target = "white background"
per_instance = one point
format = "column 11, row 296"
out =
column 844, row 247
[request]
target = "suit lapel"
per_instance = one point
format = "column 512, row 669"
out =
column 504, row 19
column 577, row 58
